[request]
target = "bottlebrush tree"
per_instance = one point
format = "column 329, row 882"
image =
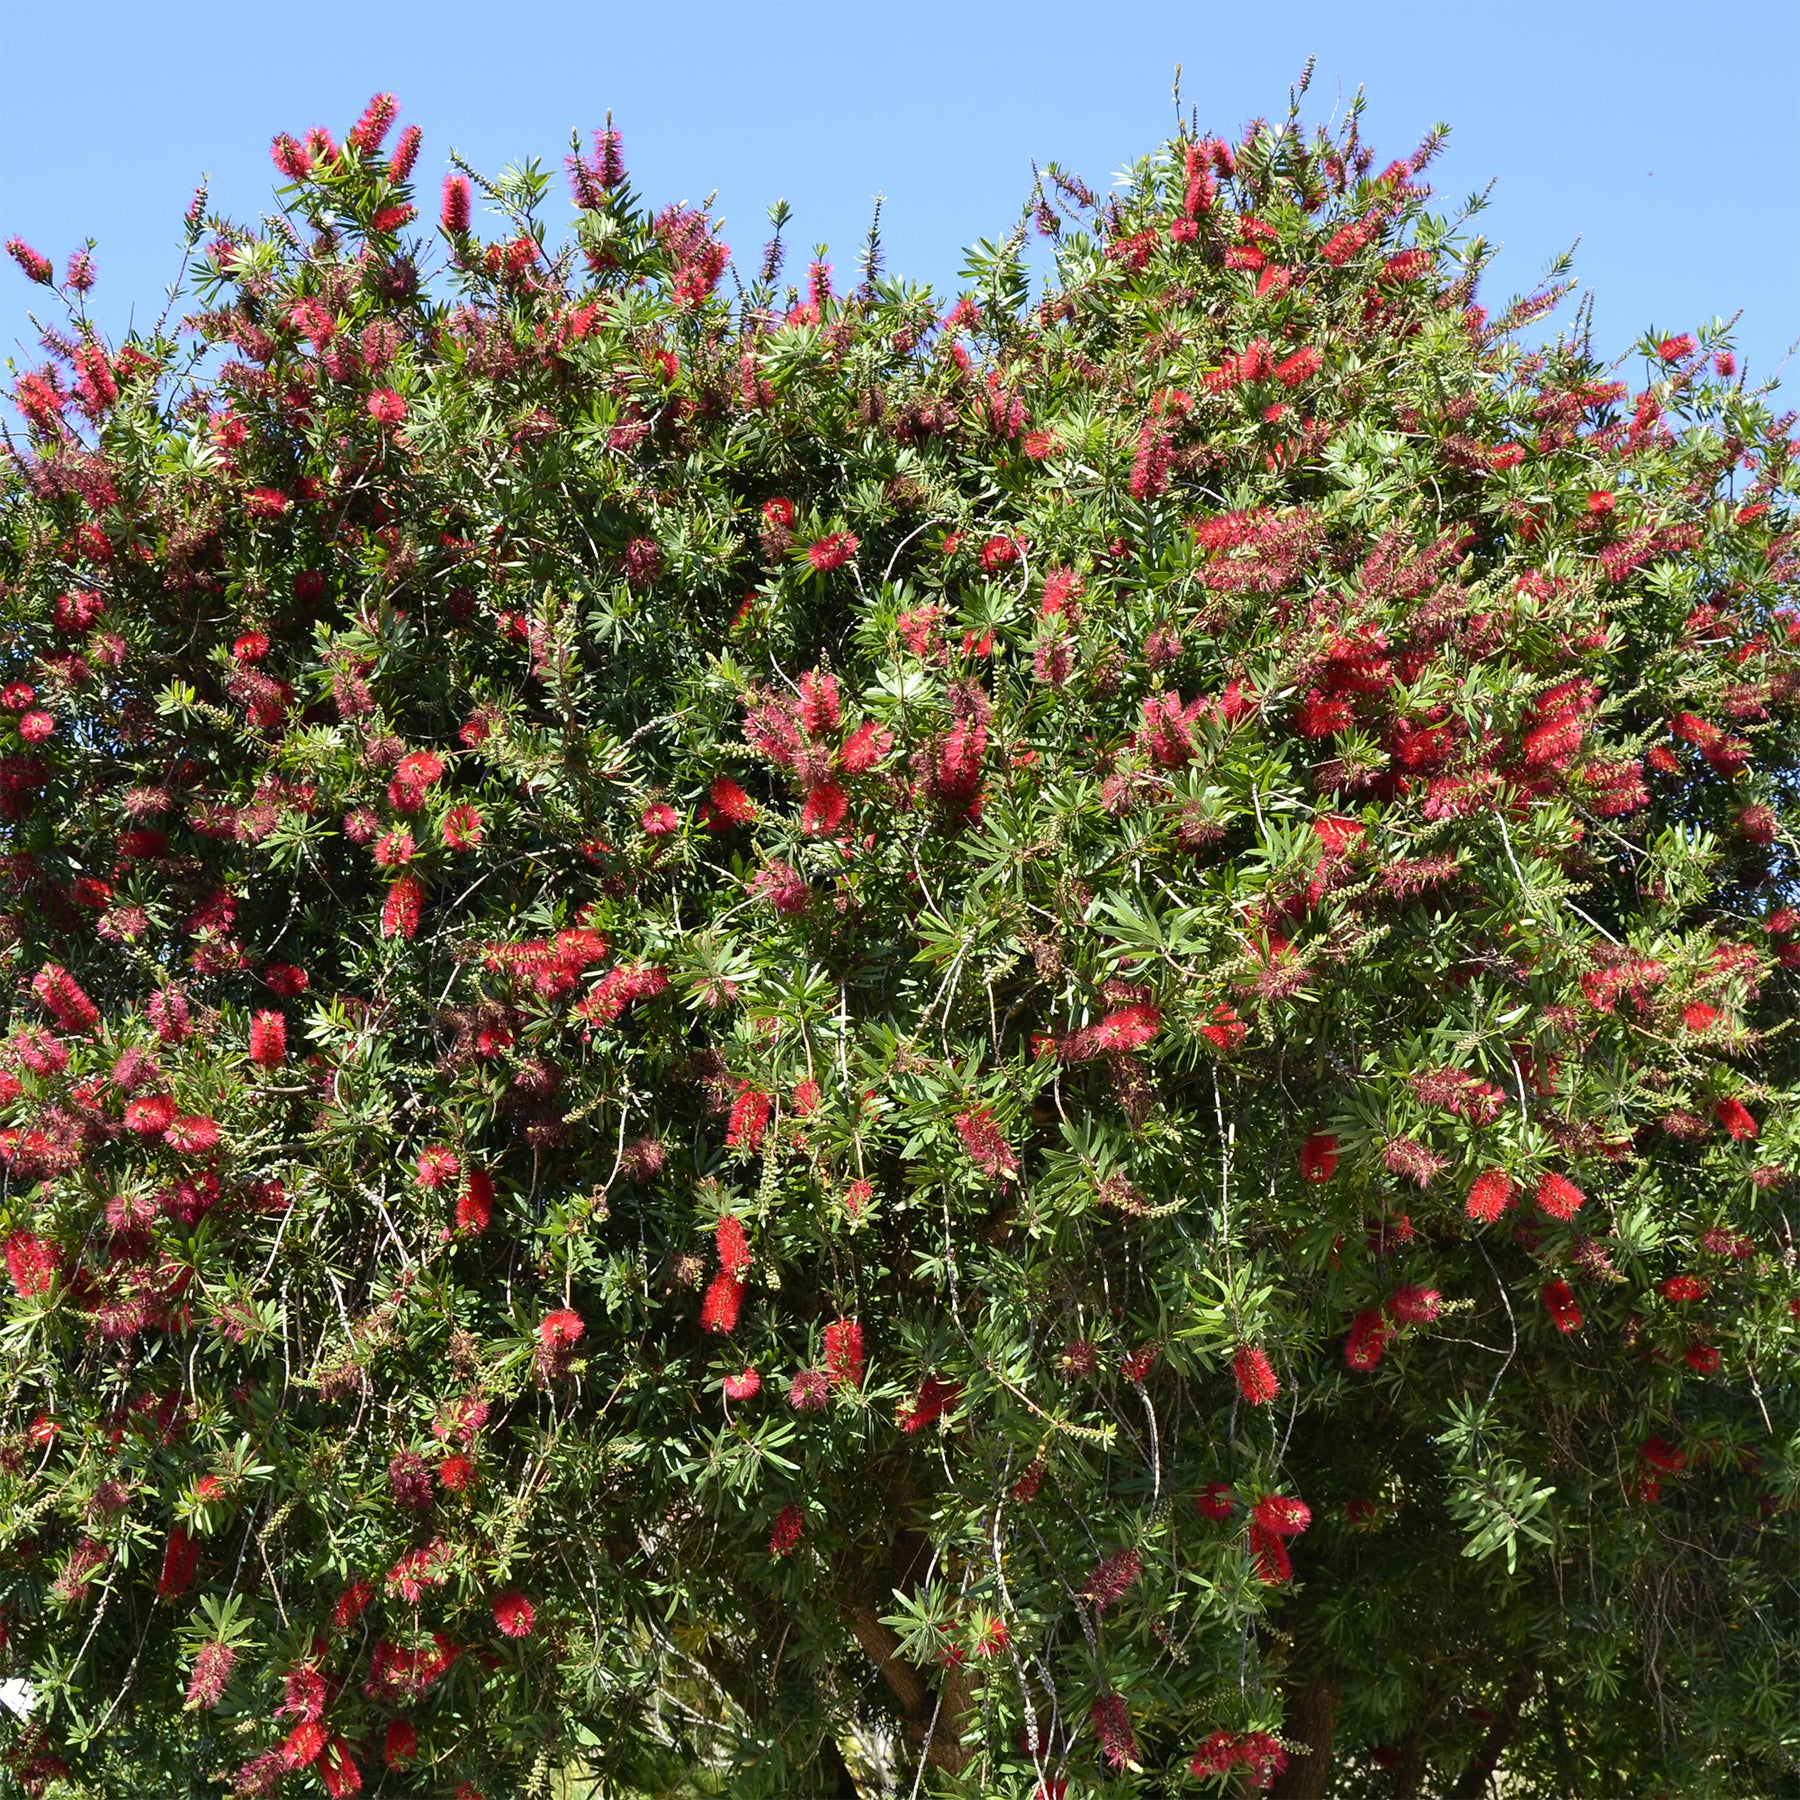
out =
column 753, row 1022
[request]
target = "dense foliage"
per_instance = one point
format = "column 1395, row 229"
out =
column 751, row 1027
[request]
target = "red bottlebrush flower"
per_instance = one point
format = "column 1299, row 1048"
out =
column 727, row 806
column 825, row 809
column 414, row 777
column 338, row 1770
column 743, row 1387
column 1737, row 1119
column 475, row 1204
column 1368, row 1339
column 456, row 1474
column 1112, row 1729
column 779, row 512
column 642, row 561
column 36, row 727
column 406, row 153
column 1113, row 1578
column 350, row 1604
column 1559, row 1302
column 659, row 820
column 749, row 1119
column 609, row 158
column 724, row 1301
column 785, row 889
column 515, row 1615
column 561, row 1330
column 1149, row 468
column 212, row 1673
column 1255, row 1375
column 268, row 1040
column 985, row 1143
column 1673, row 349
column 62, row 996
column 1414, row 1305
column 1282, row 1514
column 1349, row 241
column 438, row 1167
column 181, row 1556
column 1227, row 1031
column 192, row 1136
column 809, row 1391
column 78, row 611
column 368, row 131
column 400, row 909
column 1659, row 1453
column 454, row 216
column 36, row 265
column 151, row 1116
column 1129, row 1028
column 1025, row 1489
column 1719, row 1242
column 1756, row 825
column 1559, row 1197
column 1214, row 1501
column 305, row 1744
column 831, row 552
column 1322, row 715
column 400, row 1745
column 1698, row 1016
column 462, row 827
column 806, row 1098
column 733, row 1246
column 1270, row 1556
column 409, row 1476
column 1408, row 1157
column 1490, row 1194
column 32, row 1262
column 1703, row 1359
column 386, row 407
column 930, row 1403
column 291, row 158
column 857, row 1195
column 1217, row 1756
column 1682, row 1288
column 1319, row 1156
column 790, row 1526
column 266, row 503
column 844, row 1353
column 864, row 748
column 1293, row 370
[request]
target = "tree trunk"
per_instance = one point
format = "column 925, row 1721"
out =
column 942, row 1740
column 836, row 1782
column 1473, row 1781
column 1309, row 1722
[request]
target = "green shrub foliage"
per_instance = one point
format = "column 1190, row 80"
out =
column 747, row 1020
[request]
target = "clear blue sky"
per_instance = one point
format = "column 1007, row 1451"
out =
column 1665, row 136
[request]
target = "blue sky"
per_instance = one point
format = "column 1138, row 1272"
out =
column 1666, row 137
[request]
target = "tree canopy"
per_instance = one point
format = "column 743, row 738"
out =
column 790, row 1040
